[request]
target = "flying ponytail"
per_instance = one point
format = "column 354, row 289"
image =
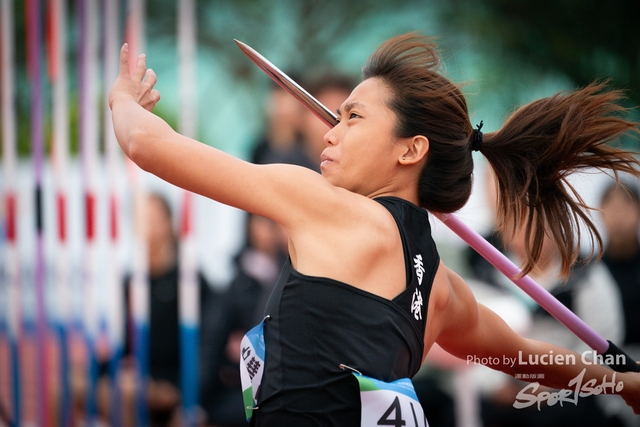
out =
column 532, row 154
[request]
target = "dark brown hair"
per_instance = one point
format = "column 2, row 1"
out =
column 539, row 145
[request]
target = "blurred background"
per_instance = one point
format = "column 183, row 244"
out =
column 506, row 54
column 95, row 252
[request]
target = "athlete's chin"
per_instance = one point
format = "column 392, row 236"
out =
column 340, row 184
column 326, row 167
column 327, row 173
column 331, row 177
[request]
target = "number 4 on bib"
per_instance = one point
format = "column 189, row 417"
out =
column 389, row 404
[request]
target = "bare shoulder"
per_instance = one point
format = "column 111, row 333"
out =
column 340, row 211
column 357, row 243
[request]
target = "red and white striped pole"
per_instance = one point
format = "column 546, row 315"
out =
column 88, row 130
column 34, row 71
column 111, row 42
column 139, row 286
column 10, row 381
column 56, row 42
column 189, row 291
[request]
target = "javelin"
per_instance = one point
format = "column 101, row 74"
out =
column 473, row 239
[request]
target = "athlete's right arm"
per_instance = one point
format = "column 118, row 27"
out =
column 471, row 331
column 284, row 193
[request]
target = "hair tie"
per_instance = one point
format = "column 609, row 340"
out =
column 476, row 141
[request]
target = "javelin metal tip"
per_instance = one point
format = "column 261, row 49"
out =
column 322, row 112
column 242, row 46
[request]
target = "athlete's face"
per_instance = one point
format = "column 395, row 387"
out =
column 362, row 151
column 313, row 129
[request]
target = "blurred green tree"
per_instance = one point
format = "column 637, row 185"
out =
column 518, row 42
column 584, row 40
column 299, row 35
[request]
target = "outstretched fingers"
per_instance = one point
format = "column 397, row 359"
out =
column 141, row 67
column 137, row 85
column 141, row 64
column 124, row 60
column 150, row 96
column 150, row 78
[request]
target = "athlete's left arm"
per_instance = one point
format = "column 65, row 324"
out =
column 471, row 331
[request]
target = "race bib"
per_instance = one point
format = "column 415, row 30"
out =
column 252, row 354
column 389, row 404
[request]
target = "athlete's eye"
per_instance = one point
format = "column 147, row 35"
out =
column 354, row 116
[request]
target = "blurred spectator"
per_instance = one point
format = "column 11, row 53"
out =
column 620, row 207
column 281, row 142
column 331, row 89
column 163, row 390
column 592, row 294
column 241, row 308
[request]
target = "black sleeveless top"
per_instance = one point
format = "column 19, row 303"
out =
column 316, row 324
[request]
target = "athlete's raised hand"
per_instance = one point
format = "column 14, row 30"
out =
column 138, row 86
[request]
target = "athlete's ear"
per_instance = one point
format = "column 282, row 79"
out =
column 415, row 149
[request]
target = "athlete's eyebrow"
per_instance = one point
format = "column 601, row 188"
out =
column 350, row 106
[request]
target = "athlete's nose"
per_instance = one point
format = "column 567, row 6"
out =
column 330, row 138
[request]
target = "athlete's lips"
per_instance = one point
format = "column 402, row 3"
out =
column 325, row 159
